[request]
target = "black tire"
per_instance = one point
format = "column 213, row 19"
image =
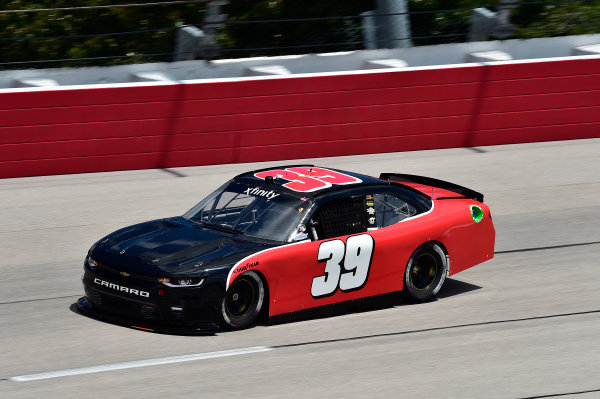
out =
column 425, row 273
column 243, row 301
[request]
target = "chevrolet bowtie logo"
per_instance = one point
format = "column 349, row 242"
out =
column 125, row 274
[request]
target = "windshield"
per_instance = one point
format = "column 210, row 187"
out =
column 255, row 211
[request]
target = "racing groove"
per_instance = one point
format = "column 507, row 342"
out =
column 524, row 325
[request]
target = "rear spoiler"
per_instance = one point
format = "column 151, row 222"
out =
column 410, row 180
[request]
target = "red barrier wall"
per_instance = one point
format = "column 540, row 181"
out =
column 102, row 129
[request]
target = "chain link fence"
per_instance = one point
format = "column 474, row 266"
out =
column 103, row 37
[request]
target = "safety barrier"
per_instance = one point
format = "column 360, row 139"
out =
column 137, row 126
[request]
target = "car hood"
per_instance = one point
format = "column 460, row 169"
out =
column 173, row 246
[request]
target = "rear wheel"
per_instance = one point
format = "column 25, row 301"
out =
column 425, row 273
column 243, row 301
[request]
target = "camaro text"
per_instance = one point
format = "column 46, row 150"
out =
column 117, row 287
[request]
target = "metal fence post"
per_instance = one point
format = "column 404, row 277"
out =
column 186, row 43
column 394, row 24
column 504, row 29
column 192, row 43
column 369, row 29
column 482, row 24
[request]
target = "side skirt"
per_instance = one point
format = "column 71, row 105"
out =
column 357, row 305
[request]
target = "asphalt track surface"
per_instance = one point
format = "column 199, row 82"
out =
column 523, row 325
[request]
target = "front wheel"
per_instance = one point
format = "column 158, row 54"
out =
column 425, row 273
column 243, row 301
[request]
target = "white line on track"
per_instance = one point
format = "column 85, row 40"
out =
column 140, row 363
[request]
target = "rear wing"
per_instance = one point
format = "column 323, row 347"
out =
column 428, row 186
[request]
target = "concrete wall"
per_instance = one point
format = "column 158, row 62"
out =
column 446, row 54
column 168, row 124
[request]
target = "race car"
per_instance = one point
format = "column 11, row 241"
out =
column 284, row 240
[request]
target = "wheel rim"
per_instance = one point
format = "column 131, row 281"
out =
column 240, row 298
column 423, row 271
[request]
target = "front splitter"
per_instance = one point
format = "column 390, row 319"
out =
column 85, row 307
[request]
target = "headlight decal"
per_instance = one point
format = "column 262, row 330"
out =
column 91, row 263
column 181, row 282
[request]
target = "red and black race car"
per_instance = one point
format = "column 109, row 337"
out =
column 284, row 240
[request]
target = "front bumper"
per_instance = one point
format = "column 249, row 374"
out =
column 150, row 305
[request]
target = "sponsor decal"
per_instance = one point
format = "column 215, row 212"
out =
column 259, row 192
column 245, row 267
column 370, row 202
column 300, row 233
column 120, row 288
column 300, row 236
column 476, row 213
column 250, row 259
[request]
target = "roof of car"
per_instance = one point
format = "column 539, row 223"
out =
column 306, row 180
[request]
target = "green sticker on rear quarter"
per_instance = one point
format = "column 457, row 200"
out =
column 476, row 213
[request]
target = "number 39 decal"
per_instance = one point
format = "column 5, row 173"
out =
column 347, row 265
column 306, row 179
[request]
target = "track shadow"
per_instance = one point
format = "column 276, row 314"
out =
column 450, row 288
column 453, row 287
column 73, row 308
